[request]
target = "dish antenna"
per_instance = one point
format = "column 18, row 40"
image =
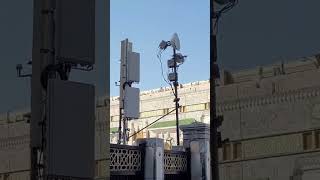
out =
column 175, row 42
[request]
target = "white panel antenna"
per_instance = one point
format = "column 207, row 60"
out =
column 131, row 102
column 133, row 67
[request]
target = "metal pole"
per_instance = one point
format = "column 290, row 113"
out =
column 213, row 119
column 122, row 81
column 176, row 100
column 42, row 55
column 124, row 136
column 119, row 129
column 125, row 47
column 36, row 89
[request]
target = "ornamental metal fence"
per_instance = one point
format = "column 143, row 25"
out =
column 126, row 162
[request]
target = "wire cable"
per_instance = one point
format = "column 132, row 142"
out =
column 151, row 123
column 217, row 15
column 160, row 60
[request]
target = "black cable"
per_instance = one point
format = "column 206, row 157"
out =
column 61, row 69
column 151, row 123
column 159, row 57
column 40, row 173
column 225, row 9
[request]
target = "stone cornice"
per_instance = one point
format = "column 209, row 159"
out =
column 116, row 102
column 14, row 142
column 290, row 96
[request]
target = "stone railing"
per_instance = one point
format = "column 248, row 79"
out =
column 126, row 160
column 175, row 162
column 65, row 178
column 149, row 160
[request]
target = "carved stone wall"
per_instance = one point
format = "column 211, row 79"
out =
column 272, row 146
column 231, row 171
column 277, row 168
column 14, row 147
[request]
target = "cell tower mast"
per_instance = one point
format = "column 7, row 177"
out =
column 129, row 96
column 174, row 63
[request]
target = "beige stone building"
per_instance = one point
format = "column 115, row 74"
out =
column 271, row 116
column 194, row 101
column 15, row 144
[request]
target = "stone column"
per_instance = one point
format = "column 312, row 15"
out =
column 196, row 138
column 153, row 160
column 196, row 167
column 102, row 145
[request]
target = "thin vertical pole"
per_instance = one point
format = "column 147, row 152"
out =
column 213, row 118
column 43, row 39
column 36, row 89
column 120, row 118
column 176, row 100
column 123, row 79
column 125, row 126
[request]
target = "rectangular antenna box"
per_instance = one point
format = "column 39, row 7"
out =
column 70, row 129
column 75, row 31
column 133, row 67
column 173, row 76
column 131, row 102
column 170, row 63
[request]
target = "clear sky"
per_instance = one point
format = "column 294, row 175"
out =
column 253, row 33
column 145, row 23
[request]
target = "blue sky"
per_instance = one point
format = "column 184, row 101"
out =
column 145, row 23
column 249, row 36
